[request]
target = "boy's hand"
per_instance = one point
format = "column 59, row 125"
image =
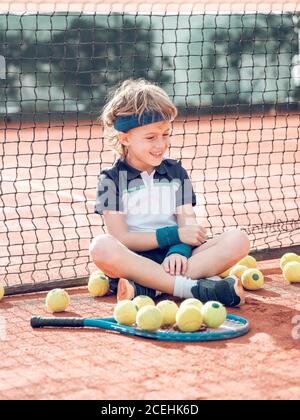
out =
column 175, row 264
column 193, row 235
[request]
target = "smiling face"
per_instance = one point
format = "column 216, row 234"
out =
column 146, row 145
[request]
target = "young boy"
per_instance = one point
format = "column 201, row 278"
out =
column 154, row 242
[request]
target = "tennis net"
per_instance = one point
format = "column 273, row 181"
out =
column 232, row 69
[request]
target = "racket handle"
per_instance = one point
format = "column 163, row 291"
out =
column 39, row 322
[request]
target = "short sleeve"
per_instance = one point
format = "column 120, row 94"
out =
column 107, row 195
column 185, row 194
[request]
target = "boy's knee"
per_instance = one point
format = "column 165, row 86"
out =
column 240, row 243
column 103, row 249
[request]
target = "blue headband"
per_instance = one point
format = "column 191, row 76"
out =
column 128, row 122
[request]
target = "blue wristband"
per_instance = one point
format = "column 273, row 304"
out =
column 167, row 236
column 181, row 249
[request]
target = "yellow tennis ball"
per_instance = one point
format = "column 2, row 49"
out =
column 214, row 314
column 225, row 273
column 248, row 261
column 192, row 301
column 2, row 292
column 125, row 312
column 169, row 309
column 189, row 318
column 253, row 279
column 98, row 284
column 238, row 270
column 57, row 300
column 291, row 271
column 149, row 318
column 288, row 257
column 142, row 300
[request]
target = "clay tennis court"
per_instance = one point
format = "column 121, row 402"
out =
column 56, row 364
column 245, row 170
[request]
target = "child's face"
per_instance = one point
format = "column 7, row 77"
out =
column 147, row 145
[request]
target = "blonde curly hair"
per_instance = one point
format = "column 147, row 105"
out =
column 134, row 97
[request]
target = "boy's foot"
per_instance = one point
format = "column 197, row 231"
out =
column 228, row 291
column 127, row 289
column 238, row 288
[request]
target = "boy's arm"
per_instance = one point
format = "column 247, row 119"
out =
column 185, row 216
column 145, row 241
column 136, row 241
column 109, row 205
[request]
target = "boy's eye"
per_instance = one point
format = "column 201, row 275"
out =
column 154, row 137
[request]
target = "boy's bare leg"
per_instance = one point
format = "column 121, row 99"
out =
column 116, row 260
column 218, row 254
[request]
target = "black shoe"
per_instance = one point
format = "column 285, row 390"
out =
column 113, row 285
column 229, row 291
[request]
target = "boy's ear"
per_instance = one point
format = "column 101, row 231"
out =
column 123, row 138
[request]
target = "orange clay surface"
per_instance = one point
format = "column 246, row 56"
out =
column 95, row 364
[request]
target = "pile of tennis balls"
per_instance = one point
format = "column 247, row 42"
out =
column 191, row 316
column 290, row 266
column 246, row 270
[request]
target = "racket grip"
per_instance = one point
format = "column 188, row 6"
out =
column 39, row 322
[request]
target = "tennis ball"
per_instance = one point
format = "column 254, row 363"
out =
column 214, row 314
column 168, row 308
column 290, row 256
column 57, row 300
column 149, row 318
column 191, row 301
column 248, row 261
column 125, row 312
column 225, row 273
column 98, row 284
column 189, row 318
column 252, row 279
column 2, row 292
column 238, row 270
column 291, row 271
column 142, row 300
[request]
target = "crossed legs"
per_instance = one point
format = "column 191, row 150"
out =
column 207, row 260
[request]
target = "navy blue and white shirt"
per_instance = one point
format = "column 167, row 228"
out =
column 149, row 202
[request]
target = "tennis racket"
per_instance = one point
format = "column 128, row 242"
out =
column 233, row 327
